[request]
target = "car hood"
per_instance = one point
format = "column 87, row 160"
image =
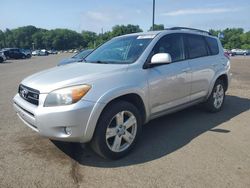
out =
column 72, row 74
column 68, row 61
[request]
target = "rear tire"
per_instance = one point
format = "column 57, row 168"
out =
column 117, row 130
column 216, row 99
column 1, row 60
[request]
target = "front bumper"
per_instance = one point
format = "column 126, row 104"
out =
column 52, row 121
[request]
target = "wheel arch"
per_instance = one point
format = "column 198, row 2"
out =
column 224, row 78
column 136, row 97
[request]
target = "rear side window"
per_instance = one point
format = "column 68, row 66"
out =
column 213, row 45
column 196, row 46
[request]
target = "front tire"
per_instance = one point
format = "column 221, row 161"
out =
column 216, row 99
column 117, row 130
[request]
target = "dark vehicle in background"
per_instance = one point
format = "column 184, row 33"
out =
column 27, row 52
column 2, row 57
column 76, row 58
column 14, row 53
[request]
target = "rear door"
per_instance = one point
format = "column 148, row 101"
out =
column 201, row 63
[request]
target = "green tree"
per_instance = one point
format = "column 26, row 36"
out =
column 89, row 38
column 2, row 39
column 118, row 30
column 157, row 27
column 63, row 39
column 245, row 40
column 233, row 37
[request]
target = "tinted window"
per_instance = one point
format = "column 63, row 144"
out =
column 172, row 44
column 213, row 45
column 196, row 46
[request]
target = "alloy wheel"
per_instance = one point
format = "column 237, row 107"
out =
column 121, row 131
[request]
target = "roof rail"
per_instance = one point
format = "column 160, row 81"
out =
column 187, row 28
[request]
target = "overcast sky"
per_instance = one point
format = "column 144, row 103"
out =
column 96, row 14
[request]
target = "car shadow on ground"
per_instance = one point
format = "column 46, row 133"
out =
column 7, row 62
column 164, row 135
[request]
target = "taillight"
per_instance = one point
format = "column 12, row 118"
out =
column 226, row 55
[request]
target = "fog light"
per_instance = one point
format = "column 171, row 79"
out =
column 68, row 130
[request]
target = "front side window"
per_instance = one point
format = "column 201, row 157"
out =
column 171, row 44
column 196, row 46
column 122, row 50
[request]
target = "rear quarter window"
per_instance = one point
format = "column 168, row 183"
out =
column 212, row 45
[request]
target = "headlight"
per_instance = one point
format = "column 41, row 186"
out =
column 66, row 96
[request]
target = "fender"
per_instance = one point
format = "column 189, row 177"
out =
column 108, row 97
column 217, row 75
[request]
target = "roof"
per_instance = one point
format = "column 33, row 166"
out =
column 173, row 30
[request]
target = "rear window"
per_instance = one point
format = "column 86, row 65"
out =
column 213, row 45
column 196, row 46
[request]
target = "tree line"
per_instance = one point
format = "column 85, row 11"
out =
column 64, row 39
column 233, row 38
column 59, row 39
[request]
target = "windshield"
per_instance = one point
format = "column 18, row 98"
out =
column 122, row 50
column 82, row 54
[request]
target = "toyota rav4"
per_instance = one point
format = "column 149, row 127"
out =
column 123, row 84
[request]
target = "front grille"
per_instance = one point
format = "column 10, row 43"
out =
column 29, row 94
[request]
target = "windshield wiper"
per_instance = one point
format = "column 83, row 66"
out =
column 100, row 62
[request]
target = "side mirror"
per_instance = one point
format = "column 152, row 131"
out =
column 161, row 58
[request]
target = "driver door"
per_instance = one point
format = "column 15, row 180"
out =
column 169, row 84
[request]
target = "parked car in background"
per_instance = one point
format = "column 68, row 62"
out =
column 35, row 52
column 2, row 57
column 123, row 84
column 42, row 52
column 229, row 52
column 240, row 52
column 14, row 53
column 53, row 52
column 27, row 52
column 76, row 58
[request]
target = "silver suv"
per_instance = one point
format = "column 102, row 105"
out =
column 122, row 85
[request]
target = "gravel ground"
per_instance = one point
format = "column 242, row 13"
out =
column 190, row 148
